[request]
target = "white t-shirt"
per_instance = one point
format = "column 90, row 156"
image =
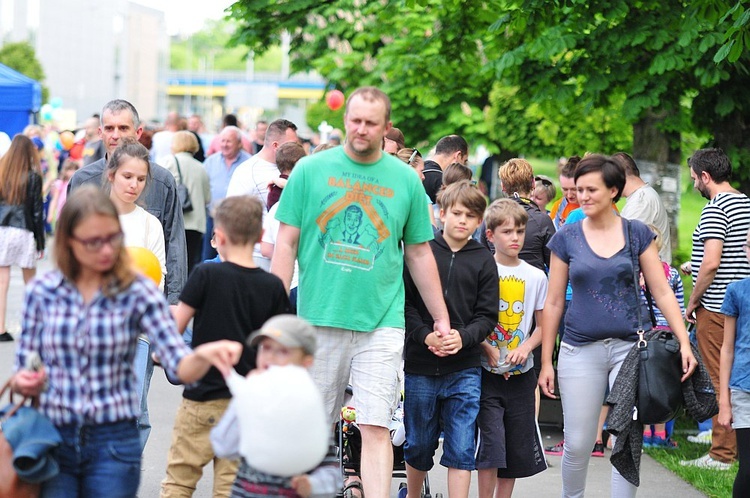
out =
column 252, row 178
column 523, row 290
column 270, row 231
column 142, row 229
column 645, row 205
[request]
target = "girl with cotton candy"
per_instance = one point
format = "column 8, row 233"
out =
column 283, row 434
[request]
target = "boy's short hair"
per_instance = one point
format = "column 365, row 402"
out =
column 241, row 219
column 455, row 172
column 463, row 193
column 502, row 210
column 288, row 330
column 517, row 176
column 287, row 156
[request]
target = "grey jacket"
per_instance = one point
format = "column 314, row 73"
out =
column 698, row 396
column 161, row 201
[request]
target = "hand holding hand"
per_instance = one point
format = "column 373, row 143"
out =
column 453, row 342
column 434, row 343
column 221, row 354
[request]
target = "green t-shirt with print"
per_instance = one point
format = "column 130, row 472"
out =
column 352, row 219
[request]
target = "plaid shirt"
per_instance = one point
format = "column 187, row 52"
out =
column 88, row 349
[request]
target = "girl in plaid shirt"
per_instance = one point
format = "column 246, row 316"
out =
column 83, row 320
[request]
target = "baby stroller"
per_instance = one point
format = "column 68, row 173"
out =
column 350, row 451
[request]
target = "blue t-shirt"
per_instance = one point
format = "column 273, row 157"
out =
column 605, row 302
column 737, row 304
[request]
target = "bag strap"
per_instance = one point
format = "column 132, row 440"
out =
column 179, row 171
column 636, row 285
column 650, row 301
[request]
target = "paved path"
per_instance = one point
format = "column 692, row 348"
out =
column 656, row 481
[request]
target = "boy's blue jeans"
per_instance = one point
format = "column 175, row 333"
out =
column 97, row 460
column 449, row 402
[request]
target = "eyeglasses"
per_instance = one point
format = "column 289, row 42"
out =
column 96, row 243
column 746, row 245
column 413, row 156
column 544, row 181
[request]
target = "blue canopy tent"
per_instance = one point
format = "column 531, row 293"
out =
column 20, row 97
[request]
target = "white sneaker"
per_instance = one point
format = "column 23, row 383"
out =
column 706, row 462
column 703, row 437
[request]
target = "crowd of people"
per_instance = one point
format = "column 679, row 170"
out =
column 402, row 276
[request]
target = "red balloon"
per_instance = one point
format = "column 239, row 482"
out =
column 335, row 99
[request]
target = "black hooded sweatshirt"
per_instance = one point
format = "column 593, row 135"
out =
column 470, row 289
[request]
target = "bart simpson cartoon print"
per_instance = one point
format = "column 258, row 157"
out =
column 507, row 334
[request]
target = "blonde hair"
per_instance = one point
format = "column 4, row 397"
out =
column 502, row 210
column 184, row 141
column 659, row 240
column 517, row 176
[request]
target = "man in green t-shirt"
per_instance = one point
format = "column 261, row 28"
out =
column 351, row 215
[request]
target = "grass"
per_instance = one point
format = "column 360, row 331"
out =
column 711, row 482
column 714, row 483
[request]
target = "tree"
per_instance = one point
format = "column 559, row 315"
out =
column 207, row 49
column 573, row 72
column 22, row 57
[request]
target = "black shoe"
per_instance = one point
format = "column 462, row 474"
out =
column 6, row 337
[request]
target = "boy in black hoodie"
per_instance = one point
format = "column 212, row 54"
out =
column 443, row 373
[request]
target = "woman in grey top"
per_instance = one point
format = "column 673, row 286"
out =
column 602, row 318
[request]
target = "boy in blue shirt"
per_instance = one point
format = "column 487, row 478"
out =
column 509, row 444
column 443, row 372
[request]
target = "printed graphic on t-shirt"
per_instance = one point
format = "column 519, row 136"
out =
column 508, row 333
column 352, row 229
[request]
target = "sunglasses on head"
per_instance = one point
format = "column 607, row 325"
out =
column 413, row 156
column 544, row 181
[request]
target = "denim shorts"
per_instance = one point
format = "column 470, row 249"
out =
column 97, row 460
column 449, row 402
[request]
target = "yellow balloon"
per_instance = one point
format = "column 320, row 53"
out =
column 67, row 139
column 146, row 263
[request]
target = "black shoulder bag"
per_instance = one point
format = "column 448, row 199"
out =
column 183, row 194
column 660, row 363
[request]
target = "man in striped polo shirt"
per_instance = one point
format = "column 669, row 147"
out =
column 717, row 260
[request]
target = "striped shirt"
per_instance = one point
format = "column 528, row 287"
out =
column 88, row 349
column 726, row 217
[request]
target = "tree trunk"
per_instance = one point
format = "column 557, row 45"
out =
column 657, row 154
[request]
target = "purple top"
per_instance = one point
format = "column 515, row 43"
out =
column 605, row 302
